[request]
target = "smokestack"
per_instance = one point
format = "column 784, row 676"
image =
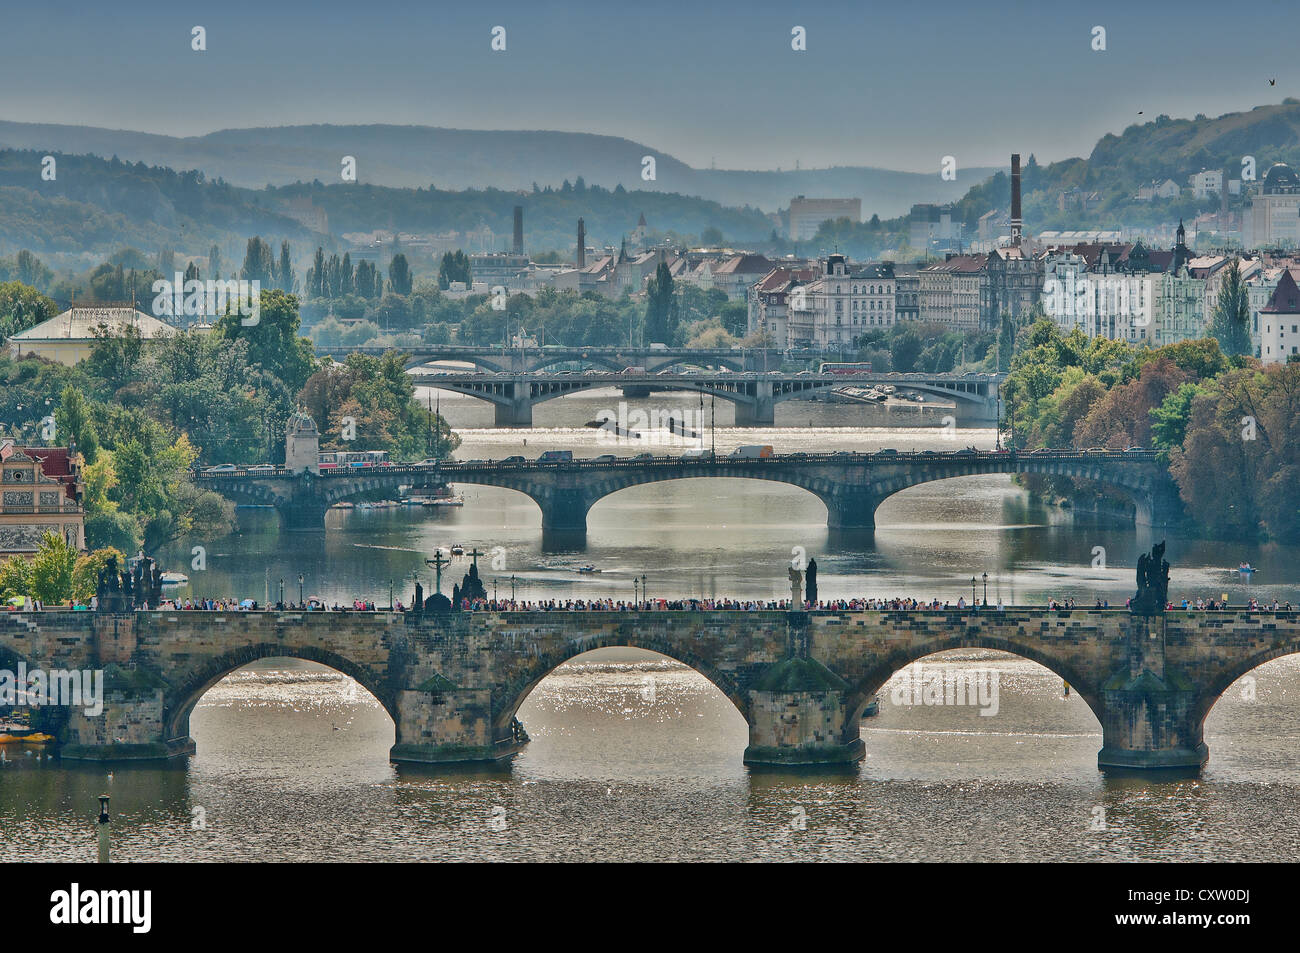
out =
column 519, row 229
column 582, row 244
column 1016, row 223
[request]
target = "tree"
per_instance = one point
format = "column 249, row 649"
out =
column 259, row 264
column 1230, row 325
column 72, row 420
column 273, row 342
column 454, row 267
column 52, row 570
column 22, row 307
column 399, row 275
column 661, row 319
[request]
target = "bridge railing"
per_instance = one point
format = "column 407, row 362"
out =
column 885, row 457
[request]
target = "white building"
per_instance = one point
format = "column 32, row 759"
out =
column 1206, row 183
column 807, row 215
column 1280, row 319
column 841, row 304
column 1272, row 215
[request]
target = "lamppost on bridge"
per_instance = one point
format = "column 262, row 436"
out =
column 645, row 593
column 986, row 590
column 512, row 588
column 300, row 580
column 281, row 592
column 972, row 590
column 636, row 591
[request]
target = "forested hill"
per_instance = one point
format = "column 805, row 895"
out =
column 424, row 156
column 96, row 205
column 1162, row 148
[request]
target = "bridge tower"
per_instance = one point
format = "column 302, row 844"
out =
column 301, row 444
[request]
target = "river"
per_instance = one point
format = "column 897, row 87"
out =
column 292, row 757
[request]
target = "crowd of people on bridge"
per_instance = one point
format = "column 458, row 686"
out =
column 872, row 604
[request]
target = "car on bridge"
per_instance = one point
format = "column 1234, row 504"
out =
column 888, row 451
column 605, row 458
column 222, row 468
column 263, row 468
column 428, row 462
column 517, row 458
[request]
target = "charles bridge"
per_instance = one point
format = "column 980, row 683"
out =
column 851, row 485
column 452, row 682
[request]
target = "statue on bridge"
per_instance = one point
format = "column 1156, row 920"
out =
column 796, row 590
column 1153, row 582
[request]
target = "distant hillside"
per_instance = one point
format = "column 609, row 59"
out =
column 1163, row 148
column 423, row 156
column 98, row 206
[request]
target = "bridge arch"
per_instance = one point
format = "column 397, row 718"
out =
column 1225, row 679
column 180, row 699
column 515, row 693
column 869, row 684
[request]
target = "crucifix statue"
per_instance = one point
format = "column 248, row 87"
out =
column 437, row 562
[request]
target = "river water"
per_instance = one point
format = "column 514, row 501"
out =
column 636, row 757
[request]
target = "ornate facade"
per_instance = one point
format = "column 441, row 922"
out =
column 40, row 492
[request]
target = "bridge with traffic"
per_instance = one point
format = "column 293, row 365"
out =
column 754, row 394
column 527, row 360
column 851, row 485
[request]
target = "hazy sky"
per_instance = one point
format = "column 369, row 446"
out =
column 891, row 85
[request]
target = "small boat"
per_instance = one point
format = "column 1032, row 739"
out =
column 457, row 549
column 873, row 707
column 1246, row 569
column 343, row 506
column 16, row 734
column 588, row 568
column 445, row 501
column 174, row 579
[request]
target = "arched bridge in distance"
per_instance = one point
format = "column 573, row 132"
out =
column 851, row 485
column 453, row 682
column 755, row 395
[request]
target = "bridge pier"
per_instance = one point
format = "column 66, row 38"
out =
column 517, row 413
column 303, row 514
column 850, row 507
column 760, row 413
column 564, row 512
column 799, row 717
column 1150, row 714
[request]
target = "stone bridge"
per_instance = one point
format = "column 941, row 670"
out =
column 453, row 682
column 755, row 395
column 851, row 485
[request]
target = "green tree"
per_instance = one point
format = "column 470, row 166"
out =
column 661, row 318
column 1230, row 325
column 399, row 275
column 454, row 267
column 52, row 570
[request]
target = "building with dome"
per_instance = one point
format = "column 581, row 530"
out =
column 1272, row 214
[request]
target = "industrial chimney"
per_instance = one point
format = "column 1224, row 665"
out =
column 582, row 244
column 519, row 229
column 1016, row 223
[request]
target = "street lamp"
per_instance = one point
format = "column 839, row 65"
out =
column 972, row 590
column 636, row 591
column 300, row 603
column 986, row 589
column 512, row 588
column 645, row 593
column 282, row 592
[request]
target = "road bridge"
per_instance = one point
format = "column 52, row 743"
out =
column 755, row 395
column 851, row 485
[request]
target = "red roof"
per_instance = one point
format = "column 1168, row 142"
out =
column 55, row 462
column 1286, row 297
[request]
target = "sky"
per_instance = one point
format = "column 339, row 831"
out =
column 890, row 85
